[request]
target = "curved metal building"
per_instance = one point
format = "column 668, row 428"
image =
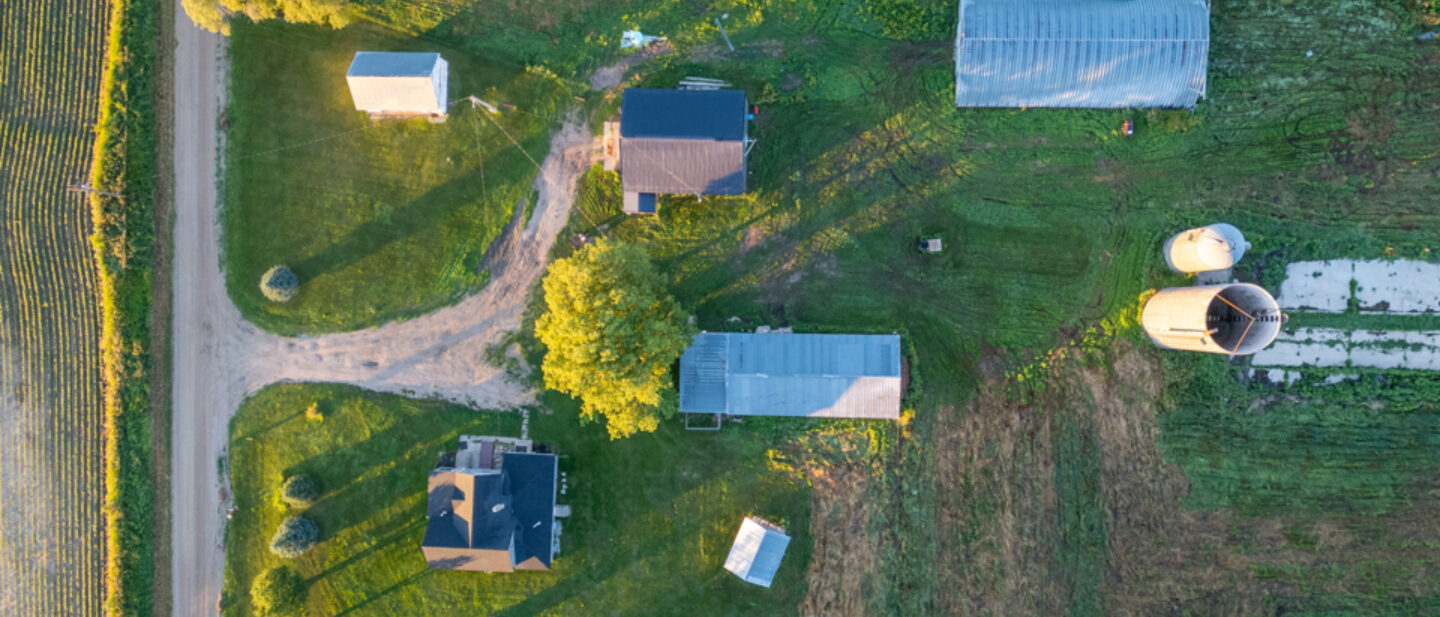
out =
column 1081, row 53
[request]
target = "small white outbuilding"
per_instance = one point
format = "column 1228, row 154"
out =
column 399, row 84
column 757, row 551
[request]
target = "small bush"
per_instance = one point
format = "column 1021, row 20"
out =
column 300, row 491
column 279, row 284
column 1173, row 120
column 294, row 537
column 277, row 590
column 313, row 414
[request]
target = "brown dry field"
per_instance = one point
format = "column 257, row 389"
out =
column 998, row 520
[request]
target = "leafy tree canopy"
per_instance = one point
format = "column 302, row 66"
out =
column 214, row 15
column 612, row 331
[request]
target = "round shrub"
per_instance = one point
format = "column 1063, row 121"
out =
column 277, row 590
column 279, row 284
column 300, row 491
column 295, row 536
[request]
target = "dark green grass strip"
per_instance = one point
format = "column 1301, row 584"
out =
column 124, row 236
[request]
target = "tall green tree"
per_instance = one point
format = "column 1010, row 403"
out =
column 214, row 15
column 612, row 331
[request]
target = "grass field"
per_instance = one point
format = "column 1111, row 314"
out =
column 51, row 420
column 1055, row 462
column 653, row 519
column 380, row 221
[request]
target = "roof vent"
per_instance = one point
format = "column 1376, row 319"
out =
column 498, row 507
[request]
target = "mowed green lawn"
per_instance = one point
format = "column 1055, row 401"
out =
column 653, row 517
column 380, row 221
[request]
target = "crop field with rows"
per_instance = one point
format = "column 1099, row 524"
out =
column 51, row 425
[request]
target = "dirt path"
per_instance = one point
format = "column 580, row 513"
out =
column 219, row 358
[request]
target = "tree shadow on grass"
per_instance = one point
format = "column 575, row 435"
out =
column 413, row 578
column 354, row 497
column 398, row 527
column 265, row 429
column 414, row 218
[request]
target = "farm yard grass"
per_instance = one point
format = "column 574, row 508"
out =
column 51, row 413
column 380, row 221
column 653, row 518
column 1054, row 463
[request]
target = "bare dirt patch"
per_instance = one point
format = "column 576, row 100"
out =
column 608, row 77
column 997, row 516
column 1162, row 557
column 844, row 555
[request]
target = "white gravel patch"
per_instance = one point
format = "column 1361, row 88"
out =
column 1362, row 348
column 1322, row 286
column 1400, row 286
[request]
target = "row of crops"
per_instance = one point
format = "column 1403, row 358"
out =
column 51, row 424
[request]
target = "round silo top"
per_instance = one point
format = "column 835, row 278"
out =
column 1213, row 247
column 1233, row 238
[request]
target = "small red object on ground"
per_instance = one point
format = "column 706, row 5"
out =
column 1128, row 128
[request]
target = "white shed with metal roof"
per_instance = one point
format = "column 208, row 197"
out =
column 811, row 375
column 758, row 549
column 392, row 83
column 1081, row 53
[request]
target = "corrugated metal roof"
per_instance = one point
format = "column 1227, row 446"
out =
column 682, row 166
column 1081, row 53
column 702, row 374
column 814, row 375
column 392, row 64
column 758, row 549
column 385, row 82
column 683, row 114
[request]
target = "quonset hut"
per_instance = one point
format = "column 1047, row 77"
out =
column 1081, row 53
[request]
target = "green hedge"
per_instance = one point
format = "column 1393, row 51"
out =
column 124, row 164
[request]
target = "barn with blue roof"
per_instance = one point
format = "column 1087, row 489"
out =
column 681, row 142
column 784, row 374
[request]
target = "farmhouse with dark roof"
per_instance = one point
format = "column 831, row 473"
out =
column 492, row 508
column 681, row 142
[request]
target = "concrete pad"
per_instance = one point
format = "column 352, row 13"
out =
column 1322, row 286
column 1362, row 348
column 1401, row 286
